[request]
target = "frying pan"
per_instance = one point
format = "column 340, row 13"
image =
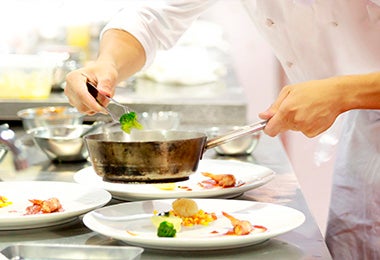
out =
column 154, row 155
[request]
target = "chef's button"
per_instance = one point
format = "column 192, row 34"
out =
column 269, row 22
column 289, row 64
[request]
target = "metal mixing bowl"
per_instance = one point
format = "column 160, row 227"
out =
column 51, row 115
column 3, row 152
column 61, row 143
column 164, row 120
column 241, row 146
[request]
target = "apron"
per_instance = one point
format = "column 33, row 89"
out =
column 315, row 39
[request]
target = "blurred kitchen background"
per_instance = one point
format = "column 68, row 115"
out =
column 221, row 72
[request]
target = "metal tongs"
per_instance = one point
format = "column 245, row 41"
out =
column 118, row 109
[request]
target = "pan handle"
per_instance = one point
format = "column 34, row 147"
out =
column 243, row 131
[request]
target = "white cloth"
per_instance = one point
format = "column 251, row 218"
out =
column 312, row 39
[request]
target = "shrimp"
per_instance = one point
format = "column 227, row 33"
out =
column 43, row 206
column 223, row 180
column 240, row 227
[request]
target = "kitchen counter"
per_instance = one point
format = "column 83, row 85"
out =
column 304, row 242
column 221, row 102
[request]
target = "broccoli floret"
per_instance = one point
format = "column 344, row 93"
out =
column 166, row 229
column 129, row 121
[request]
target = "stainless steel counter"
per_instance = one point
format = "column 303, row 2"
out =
column 206, row 105
column 304, row 242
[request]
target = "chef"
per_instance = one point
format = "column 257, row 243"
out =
column 330, row 50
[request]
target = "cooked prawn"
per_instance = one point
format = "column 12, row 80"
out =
column 44, row 206
column 223, row 180
column 240, row 227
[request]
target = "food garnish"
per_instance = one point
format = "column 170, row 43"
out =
column 165, row 186
column 242, row 227
column 166, row 216
column 223, row 180
column 4, row 202
column 129, row 121
column 166, row 229
column 44, row 206
column 185, row 212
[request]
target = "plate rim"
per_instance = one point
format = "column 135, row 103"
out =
column 197, row 243
column 43, row 220
column 215, row 193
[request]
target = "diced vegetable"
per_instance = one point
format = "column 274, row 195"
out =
column 129, row 121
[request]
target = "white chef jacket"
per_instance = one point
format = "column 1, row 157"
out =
column 312, row 39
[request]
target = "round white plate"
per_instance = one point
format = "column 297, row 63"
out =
column 248, row 176
column 141, row 232
column 76, row 199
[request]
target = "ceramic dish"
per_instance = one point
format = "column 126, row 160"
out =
column 249, row 176
column 140, row 231
column 76, row 199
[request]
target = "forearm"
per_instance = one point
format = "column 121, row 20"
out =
column 123, row 51
column 359, row 91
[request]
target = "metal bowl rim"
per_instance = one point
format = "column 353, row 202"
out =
column 29, row 113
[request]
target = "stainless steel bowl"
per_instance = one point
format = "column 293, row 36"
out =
column 61, row 143
column 3, row 152
column 165, row 120
column 50, row 115
column 3, row 147
column 240, row 146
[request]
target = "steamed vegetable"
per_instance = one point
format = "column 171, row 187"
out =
column 166, row 229
column 158, row 219
column 129, row 121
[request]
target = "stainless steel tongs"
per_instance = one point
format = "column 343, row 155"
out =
column 116, row 110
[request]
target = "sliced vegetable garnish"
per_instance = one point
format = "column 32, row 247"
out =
column 4, row 202
column 129, row 121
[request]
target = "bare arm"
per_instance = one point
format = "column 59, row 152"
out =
column 115, row 46
column 129, row 43
column 312, row 107
column 120, row 56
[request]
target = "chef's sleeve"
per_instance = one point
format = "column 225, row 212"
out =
column 157, row 24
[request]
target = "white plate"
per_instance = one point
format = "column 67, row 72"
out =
column 141, row 232
column 76, row 199
column 249, row 176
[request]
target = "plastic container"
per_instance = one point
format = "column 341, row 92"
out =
column 26, row 76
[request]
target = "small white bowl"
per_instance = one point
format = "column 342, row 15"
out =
column 160, row 120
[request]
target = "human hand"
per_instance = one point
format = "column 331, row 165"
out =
column 102, row 75
column 310, row 107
